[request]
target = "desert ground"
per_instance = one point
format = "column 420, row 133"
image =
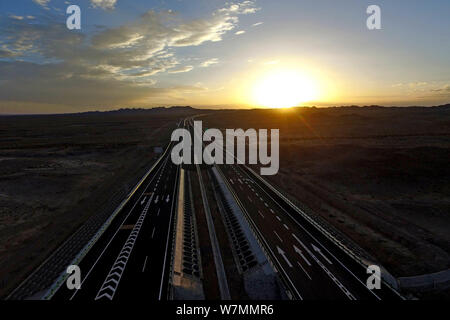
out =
column 378, row 175
column 58, row 170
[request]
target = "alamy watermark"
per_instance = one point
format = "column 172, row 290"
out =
column 374, row 280
column 221, row 151
column 74, row 279
column 374, row 20
column 73, row 21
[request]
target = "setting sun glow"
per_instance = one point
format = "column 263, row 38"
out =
column 284, row 89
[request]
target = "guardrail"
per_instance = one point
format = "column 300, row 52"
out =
column 426, row 282
column 271, row 257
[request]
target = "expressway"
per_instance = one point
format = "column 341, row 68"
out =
column 312, row 266
column 131, row 259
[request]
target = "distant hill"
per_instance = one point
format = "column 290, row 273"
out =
column 191, row 110
column 185, row 109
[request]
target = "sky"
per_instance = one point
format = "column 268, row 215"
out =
column 221, row 54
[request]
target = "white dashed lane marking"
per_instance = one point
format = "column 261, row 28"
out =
column 307, row 274
column 331, row 275
column 278, row 236
column 300, row 252
column 145, row 263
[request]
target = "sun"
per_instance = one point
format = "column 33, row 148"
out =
column 284, row 89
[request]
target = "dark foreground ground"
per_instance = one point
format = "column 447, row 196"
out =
column 56, row 171
column 378, row 175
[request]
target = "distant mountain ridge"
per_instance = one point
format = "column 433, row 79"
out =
column 192, row 110
column 133, row 110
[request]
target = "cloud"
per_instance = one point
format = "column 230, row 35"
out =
column 61, row 85
column 181, row 69
column 271, row 63
column 43, row 63
column 257, row 24
column 42, row 3
column 245, row 7
column 417, row 84
column 16, row 17
column 445, row 88
column 48, row 38
column 6, row 53
column 104, row 4
column 209, row 62
column 240, row 32
column 411, row 85
column 198, row 31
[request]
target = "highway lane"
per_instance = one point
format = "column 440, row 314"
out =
column 313, row 266
column 147, row 273
column 131, row 260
